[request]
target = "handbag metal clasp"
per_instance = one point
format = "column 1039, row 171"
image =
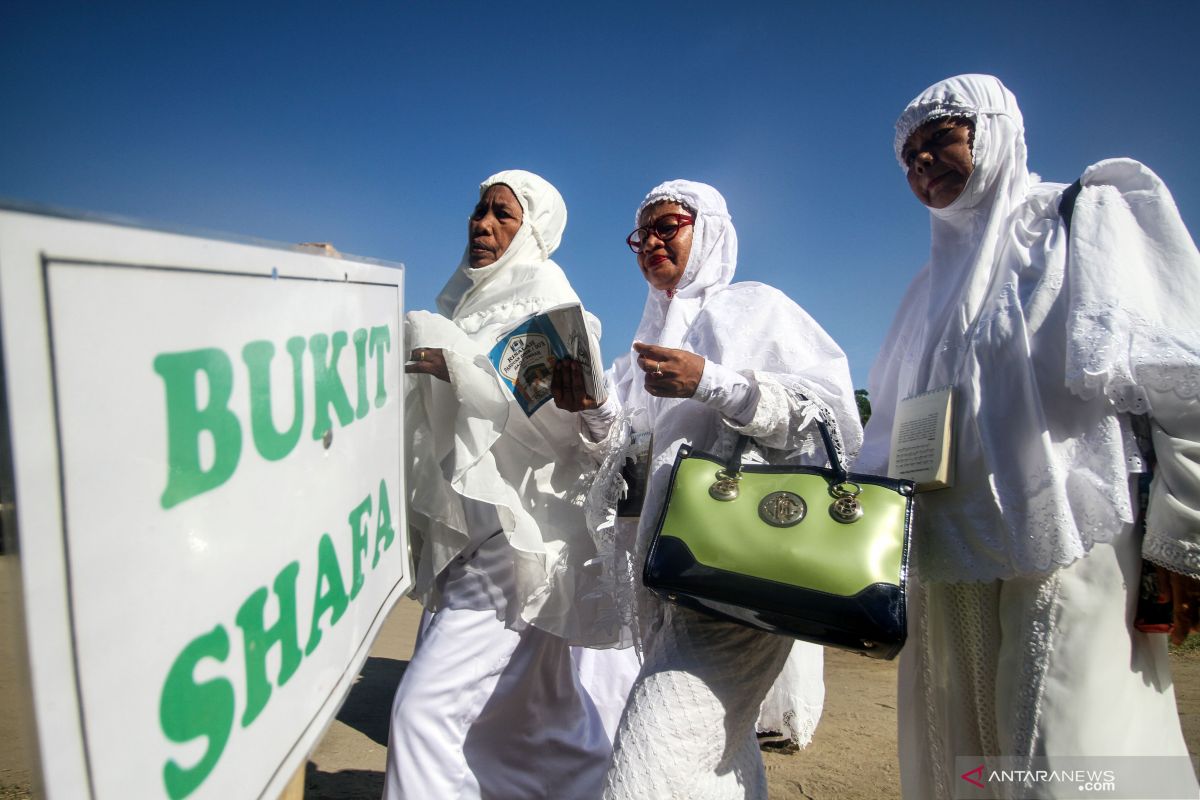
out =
column 726, row 486
column 845, row 508
column 782, row 509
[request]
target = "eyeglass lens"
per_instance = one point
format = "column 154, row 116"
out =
column 664, row 228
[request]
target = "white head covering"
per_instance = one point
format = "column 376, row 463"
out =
column 1033, row 344
column 925, row 344
column 966, row 233
column 710, row 265
column 523, row 280
column 744, row 326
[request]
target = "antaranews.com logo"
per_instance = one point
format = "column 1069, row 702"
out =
column 1111, row 777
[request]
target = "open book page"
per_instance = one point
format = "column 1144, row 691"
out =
column 921, row 448
column 526, row 355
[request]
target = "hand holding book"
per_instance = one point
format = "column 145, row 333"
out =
column 527, row 357
column 569, row 387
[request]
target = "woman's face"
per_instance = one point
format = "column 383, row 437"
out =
column 939, row 161
column 494, row 223
column 663, row 263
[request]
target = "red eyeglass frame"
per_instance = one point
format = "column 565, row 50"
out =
column 681, row 220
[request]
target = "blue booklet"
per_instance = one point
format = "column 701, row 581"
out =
column 525, row 356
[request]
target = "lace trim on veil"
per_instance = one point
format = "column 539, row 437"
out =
column 1173, row 554
column 1164, row 363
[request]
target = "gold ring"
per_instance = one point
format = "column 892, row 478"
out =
column 658, row 368
column 421, row 354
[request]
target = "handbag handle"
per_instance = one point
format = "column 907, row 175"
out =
column 734, row 466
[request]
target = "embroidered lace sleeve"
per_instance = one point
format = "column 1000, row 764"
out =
column 1173, row 518
column 785, row 419
column 615, row 596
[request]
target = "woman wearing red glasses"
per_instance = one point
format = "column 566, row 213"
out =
column 712, row 359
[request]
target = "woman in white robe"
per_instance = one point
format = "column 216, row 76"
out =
column 492, row 703
column 713, row 359
column 1021, row 637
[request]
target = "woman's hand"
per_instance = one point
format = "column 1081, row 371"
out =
column 568, row 387
column 1184, row 595
column 669, row 373
column 428, row 361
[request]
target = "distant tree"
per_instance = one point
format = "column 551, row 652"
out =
column 864, row 405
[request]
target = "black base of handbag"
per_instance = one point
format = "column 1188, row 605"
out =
column 871, row 622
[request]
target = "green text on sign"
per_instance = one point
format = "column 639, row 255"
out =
column 187, row 421
column 191, row 709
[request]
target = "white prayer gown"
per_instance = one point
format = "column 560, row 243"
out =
column 689, row 728
column 494, row 703
column 1021, row 639
column 794, row 703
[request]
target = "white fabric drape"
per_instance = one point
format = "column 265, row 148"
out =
column 1173, row 519
column 1044, row 343
column 478, row 698
column 475, row 457
column 1042, row 666
column 794, row 703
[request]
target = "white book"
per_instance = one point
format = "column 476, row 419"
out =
column 922, row 450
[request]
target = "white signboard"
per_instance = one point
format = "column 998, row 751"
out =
column 206, row 444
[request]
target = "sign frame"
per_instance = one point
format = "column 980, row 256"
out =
column 32, row 240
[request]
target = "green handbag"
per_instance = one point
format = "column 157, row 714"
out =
column 816, row 553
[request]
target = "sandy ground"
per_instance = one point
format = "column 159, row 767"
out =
column 852, row 756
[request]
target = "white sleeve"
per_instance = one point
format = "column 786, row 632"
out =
column 597, row 421
column 728, row 391
column 1173, row 517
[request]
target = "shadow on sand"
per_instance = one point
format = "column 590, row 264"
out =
column 346, row 784
column 367, row 710
column 368, row 707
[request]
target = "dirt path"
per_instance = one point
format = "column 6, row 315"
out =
column 852, row 755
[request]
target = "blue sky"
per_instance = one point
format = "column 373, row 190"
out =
column 370, row 124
